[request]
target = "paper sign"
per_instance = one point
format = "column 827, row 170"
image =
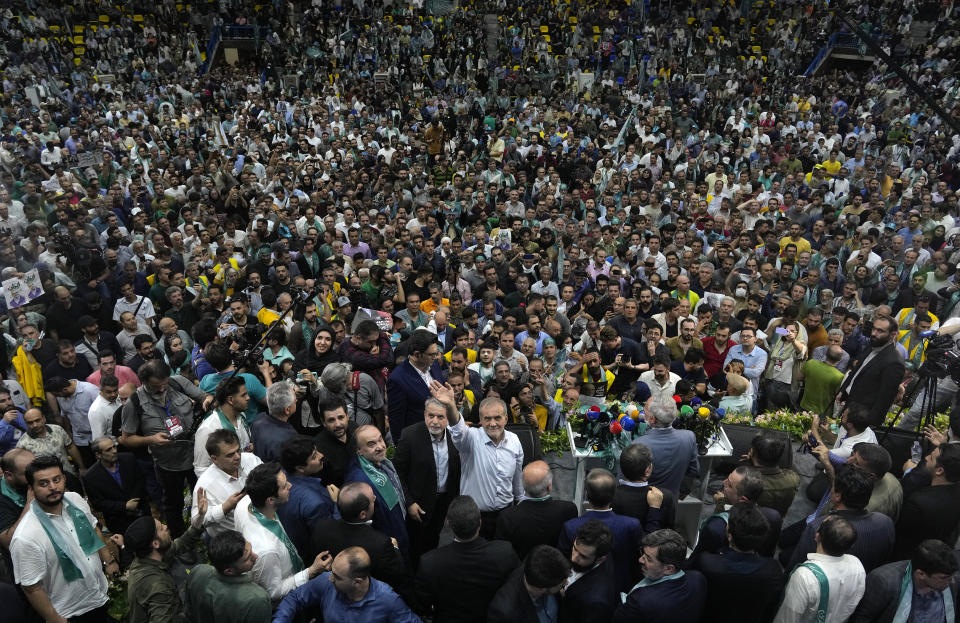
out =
column 18, row 291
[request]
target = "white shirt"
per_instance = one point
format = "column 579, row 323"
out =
column 219, row 486
column 441, row 459
column 145, row 313
column 846, row 579
column 101, row 417
column 491, row 474
column 273, row 570
column 35, row 561
column 658, row 391
column 201, row 460
column 125, row 339
column 843, row 447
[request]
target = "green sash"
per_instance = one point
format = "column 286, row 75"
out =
column 10, row 492
column 818, row 573
column 226, row 424
column 90, row 543
column 905, row 604
column 381, row 481
column 277, row 530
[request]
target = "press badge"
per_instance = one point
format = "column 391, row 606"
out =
column 174, row 427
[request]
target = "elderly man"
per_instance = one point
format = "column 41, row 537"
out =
column 491, row 457
column 676, row 449
column 181, row 313
column 270, row 432
column 115, row 486
column 371, row 465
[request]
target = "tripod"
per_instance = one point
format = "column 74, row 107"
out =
column 928, row 408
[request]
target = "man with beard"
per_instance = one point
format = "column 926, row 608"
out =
column 594, row 373
column 93, row 341
column 151, row 589
column 590, row 594
column 59, row 555
column 332, row 442
column 874, row 379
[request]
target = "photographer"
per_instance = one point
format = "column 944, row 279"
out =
column 160, row 416
column 221, row 357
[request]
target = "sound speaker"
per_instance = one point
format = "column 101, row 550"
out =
column 740, row 436
column 898, row 443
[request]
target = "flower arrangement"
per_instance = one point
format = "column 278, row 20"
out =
column 797, row 423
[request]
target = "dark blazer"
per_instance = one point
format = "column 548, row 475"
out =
column 882, row 594
column 874, row 544
column 512, row 603
column 406, row 393
column 391, row 522
column 336, row 535
column 457, row 581
column 632, row 502
column 627, row 536
column 713, row 534
column 593, row 597
column 876, row 386
column 929, row 513
column 676, row 601
column 304, row 266
column 109, row 498
column 741, row 588
column 418, row 470
column 534, row 522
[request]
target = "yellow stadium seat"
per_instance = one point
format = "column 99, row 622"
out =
column 596, row 29
column 546, row 38
column 78, row 29
column 763, row 58
column 104, row 19
column 78, row 40
column 716, row 29
column 755, row 48
column 691, row 20
column 54, row 28
column 78, row 51
column 138, row 18
column 76, row 61
column 573, row 19
column 544, row 29
column 710, row 38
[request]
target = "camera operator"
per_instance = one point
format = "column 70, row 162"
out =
column 221, row 357
column 160, row 416
column 947, row 389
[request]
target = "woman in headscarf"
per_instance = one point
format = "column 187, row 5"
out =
column 319, row 354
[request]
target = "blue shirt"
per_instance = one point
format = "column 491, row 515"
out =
column 309, row 503
column 379, row 605
column 753, row 364
column 254, row 387
column 10, row 433
column 268, row 434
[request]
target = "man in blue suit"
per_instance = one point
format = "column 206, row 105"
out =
column 667, row 592
column 408, row 386
column 674, row 451
column 600, row 488
column 371, row 465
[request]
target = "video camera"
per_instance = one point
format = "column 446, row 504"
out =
column 943, row 358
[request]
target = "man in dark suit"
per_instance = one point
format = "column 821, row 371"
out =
column 537, row 519
column 933, row 571
column 532, row 588
column 664, row 594
column 356, row 504
column 743, row 587
column 932, row 512
column 456, row 582
column 115, row 486
column 600, row 487
column 633, row 493
column 591, row 594
column 875, row 377
column 429, row 467
column 407, row 387
column 744, row 484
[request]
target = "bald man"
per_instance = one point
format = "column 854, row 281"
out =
column 346, row 592
column 537, row 519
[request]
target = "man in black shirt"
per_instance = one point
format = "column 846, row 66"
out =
column 333, row 442
column 62, row 315
column 67, row 364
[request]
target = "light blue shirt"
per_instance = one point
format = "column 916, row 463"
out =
column 753, row 364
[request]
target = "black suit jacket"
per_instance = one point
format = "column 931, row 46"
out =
column 418, row 469
column 632, row 502
column 512, row 603
column 593, row 597
column 741, row 588
column 929, row 513
column 876, row 385
column 109, row 498
column 386, row 563
column 882, row 594
column 532, row 522
column 457, row 581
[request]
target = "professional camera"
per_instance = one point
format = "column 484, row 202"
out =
column 943, row 358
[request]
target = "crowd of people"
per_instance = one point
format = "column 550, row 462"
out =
column 292, row 321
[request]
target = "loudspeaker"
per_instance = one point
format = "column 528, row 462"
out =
column 530, row 440
column 898, row 443
column 740, row 436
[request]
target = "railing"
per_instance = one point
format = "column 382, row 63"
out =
column 211, row 50
column 839, row 40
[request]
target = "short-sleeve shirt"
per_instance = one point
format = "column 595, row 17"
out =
column 174, row 456
column 54, row 443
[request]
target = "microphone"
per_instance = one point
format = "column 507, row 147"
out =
column 928, row 334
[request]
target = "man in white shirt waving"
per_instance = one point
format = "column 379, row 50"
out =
column 491, row 457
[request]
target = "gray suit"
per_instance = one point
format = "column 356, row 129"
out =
column 882, row 595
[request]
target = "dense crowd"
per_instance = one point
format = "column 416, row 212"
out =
column 432, row 233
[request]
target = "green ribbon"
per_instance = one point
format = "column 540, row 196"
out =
column 905, row 603
column 90, row 543
column 381, row 481
column 18, row 499
column 277, row 530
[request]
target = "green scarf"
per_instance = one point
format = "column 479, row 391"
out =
column 226, row 424
column 277, row 530
column 905, row 603
column 381, row 481
column 90, row 543
column 18, row 499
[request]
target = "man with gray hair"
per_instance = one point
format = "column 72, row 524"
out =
column 537, row 519
column 270, row 432
column 181, row 313
column 834, row 338
column 364, row 404
column 676, row 449
column 491, row 456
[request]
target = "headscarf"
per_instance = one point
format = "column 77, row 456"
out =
column 310, row 359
